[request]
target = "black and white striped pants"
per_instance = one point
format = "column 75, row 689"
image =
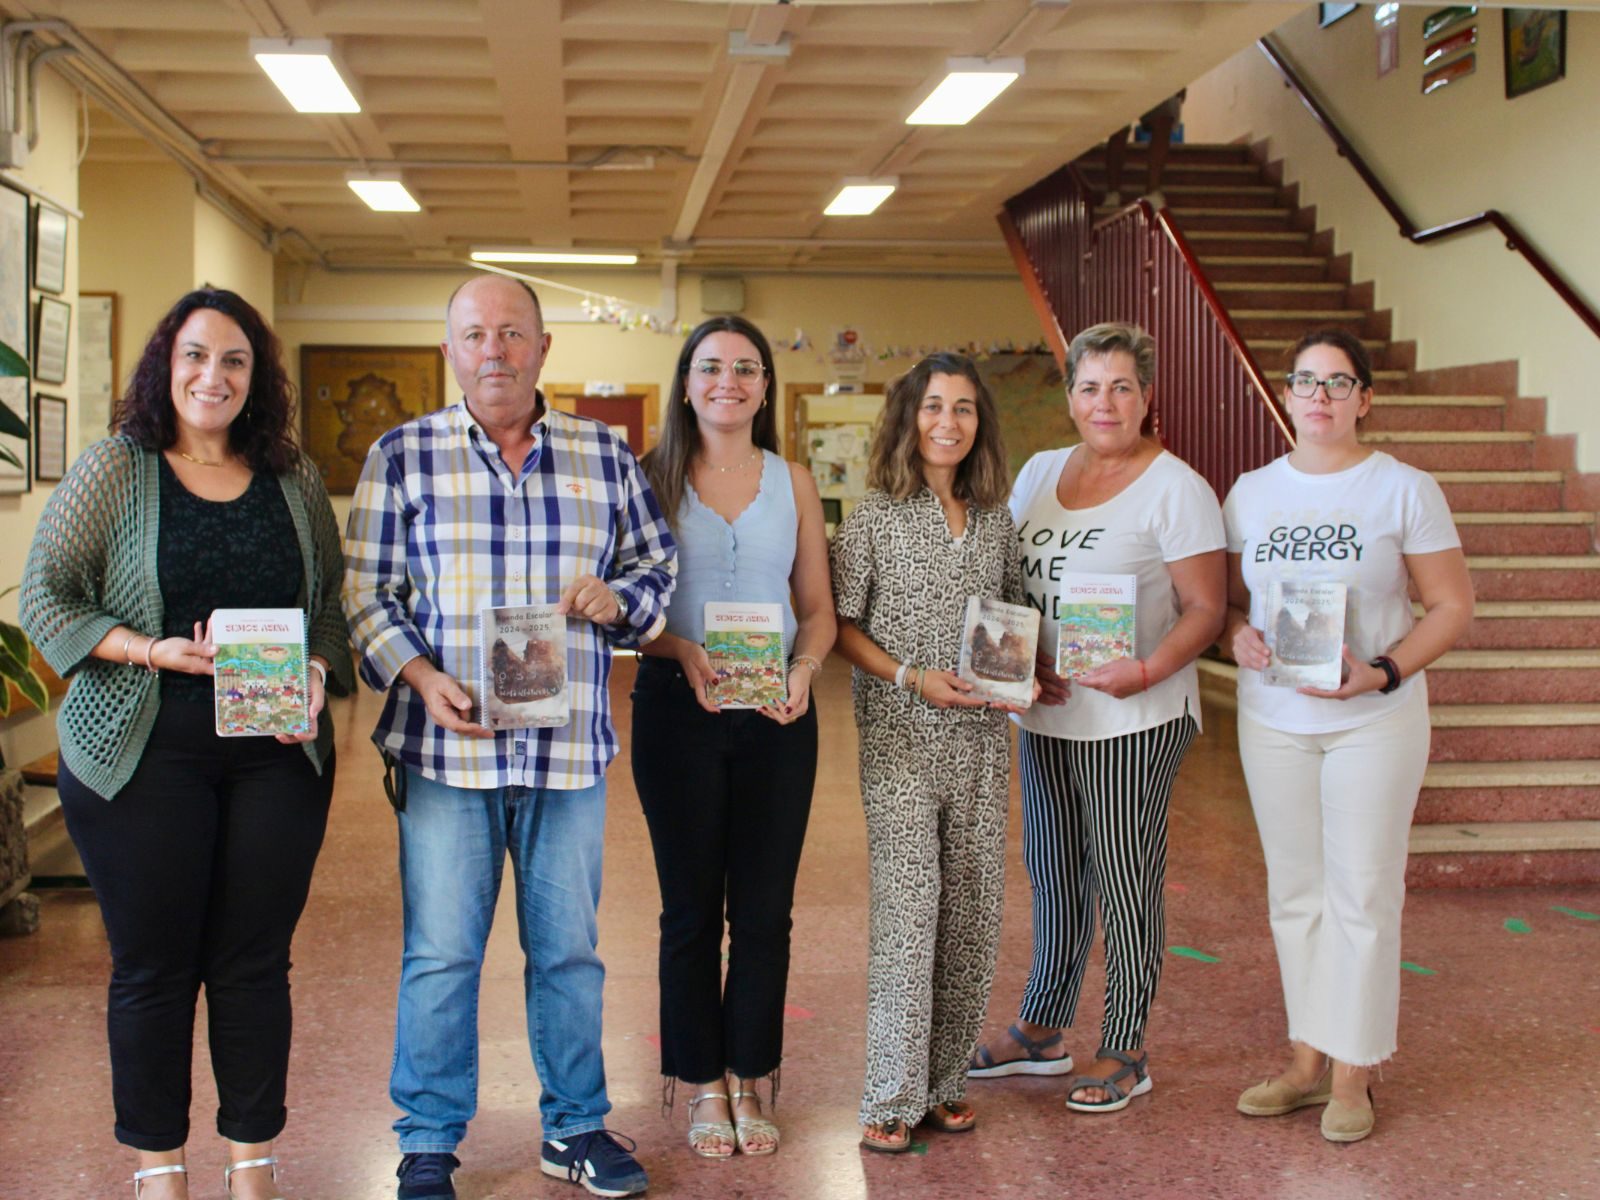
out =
column 1094, row 831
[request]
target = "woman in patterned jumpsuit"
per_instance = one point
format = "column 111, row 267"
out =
column 935, row 762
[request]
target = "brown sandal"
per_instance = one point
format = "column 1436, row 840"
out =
column 898, row 1141
column 953, row 1116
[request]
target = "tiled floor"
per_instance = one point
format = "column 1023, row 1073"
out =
column 1494, row 1092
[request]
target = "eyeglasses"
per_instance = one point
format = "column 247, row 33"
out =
column 744, row 369
column 1337, row 387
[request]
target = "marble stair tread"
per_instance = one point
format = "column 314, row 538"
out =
column 1495, row 610
column 1494, row 716
column 1556, row 773
column 1333, row 287
column 1257, row 235
column 1413, row 437
column 1500, row 837
column 1561, row 517
column 1297, row 314
column 1517, row 660
column 1498, row 476
column 1260, row 260
column 1533, row 562
column 1282, row 345
column 1417, row 400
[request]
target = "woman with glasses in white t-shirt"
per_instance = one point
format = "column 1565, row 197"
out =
column 1099, row 753
column 1334, row 773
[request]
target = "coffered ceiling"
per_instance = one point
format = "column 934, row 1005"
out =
column 630, row 124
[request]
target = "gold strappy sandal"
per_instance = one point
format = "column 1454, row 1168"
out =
column 749, row 1127
column 706, row 1137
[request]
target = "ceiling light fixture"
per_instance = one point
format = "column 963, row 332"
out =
column 968, row 87
column 560, row 257
column 860, row 196
column 304, row 72
column 382, row 191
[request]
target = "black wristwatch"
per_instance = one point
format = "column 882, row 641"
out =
column 1391, row 672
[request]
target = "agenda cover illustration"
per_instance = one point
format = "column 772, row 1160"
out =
column 260, row 684
column 522, row 672
column 1304, row 629
column 1096, row 622
column 998, row 645
column 744, row 643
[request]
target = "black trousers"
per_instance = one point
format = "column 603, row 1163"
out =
column 727, row 797
column 201, row 864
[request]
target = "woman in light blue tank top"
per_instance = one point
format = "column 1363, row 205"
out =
column 727, row 793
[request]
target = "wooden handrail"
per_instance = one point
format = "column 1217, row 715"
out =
column 1515, row 239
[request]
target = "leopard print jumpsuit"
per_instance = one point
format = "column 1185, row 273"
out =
column 934, row 783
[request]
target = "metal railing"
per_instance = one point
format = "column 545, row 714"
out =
column 1516, row 240
column 1213, row 405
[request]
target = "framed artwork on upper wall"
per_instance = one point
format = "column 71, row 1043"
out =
column 49, row 437
column 1535, row 48
column 350, row 396
column 14, row 330
column 1327, row 14
column 49, row 249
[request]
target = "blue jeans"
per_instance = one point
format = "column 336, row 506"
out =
column 453, row 844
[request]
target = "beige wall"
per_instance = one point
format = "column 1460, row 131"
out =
column 52, row 167
column 225, row 256
column 1445, row 156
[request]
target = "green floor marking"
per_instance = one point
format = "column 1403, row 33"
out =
column 1191, row 952
column 1575, row 912
column 919, row 1147
column 1415, row 969
column 1518, row 925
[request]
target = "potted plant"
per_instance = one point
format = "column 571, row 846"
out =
column 15, row 649
column 14, row 366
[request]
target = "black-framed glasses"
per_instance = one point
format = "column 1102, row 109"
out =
column 744, row 369
column 1336, row 387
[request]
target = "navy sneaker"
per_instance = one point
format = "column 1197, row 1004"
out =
column 426, row 1177
column 598, row 1161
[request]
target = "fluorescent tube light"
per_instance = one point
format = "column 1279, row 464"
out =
column 305, row 74
column 859, row 196
column 383, row 193
column 968, row 87
column 566, row 257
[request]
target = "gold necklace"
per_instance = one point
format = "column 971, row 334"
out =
column 199, row 462
column 738, row 466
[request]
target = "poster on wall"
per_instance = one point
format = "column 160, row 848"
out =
column 1445, row 47
column 97, row 363
column 1437, row 22
column 54, row 332
column 14, row 330
column 352, row 395
column 1535, row 48
column 49, row 249
column 1457, row 68
column 1386, row 21
column 49, row 437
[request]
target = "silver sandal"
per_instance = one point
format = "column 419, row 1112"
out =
column 151, row 1172
column 270, row 1162
column 748, row 1127
column 701, row 1132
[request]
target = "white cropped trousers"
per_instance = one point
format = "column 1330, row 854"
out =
column 1334, row 812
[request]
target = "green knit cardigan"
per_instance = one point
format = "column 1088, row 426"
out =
column 92, row 566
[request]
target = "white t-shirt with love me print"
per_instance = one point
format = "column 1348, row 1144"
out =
column 1353, row 527
column 1168, row 513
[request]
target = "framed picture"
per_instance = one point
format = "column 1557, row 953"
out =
column 352, row 395
column 1438, row 51
column 1327, row 14
column 49, row 437
column 1535, row 48
column 97, row 364
column 49, row 249
column 52, row 334
column 14, row 330
column 1444, row 18
column 1448, row 73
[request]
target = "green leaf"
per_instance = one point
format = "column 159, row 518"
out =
column 7, row 456
column 12, row 423
column 14, row 641
column 12, row 363
column 31, row 686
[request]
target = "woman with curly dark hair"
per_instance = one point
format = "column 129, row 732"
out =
column 200, row 848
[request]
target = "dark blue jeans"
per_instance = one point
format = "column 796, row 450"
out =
column 727, row 797
column 201, row 864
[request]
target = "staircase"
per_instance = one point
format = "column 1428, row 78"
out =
column 1512, row 794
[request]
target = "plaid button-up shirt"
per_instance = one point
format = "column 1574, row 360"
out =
column 440, row 528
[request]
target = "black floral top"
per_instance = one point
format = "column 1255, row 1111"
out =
column 902, row 579
column 213, row 554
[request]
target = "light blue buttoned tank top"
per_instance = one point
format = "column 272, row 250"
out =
column 749, row 561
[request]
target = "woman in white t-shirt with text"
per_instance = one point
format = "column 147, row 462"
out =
column 1334, row 774
column 1099, row 752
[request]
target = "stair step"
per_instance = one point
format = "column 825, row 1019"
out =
column 1495, row 477
column 1266, row 269
column 1396, row 413
column 1542, row 772
column 1479, row 716
column 1283, row 345
column 1579, row 773
column 1423, row 437
column 1559, row 856
column 1321, row 286
column 1503, row 836
column 1255, row 238
column 1419, row 401
column 1533, row 676
column 1298, row 314
column 1534, row 745
column 1527, row 533
column 1563, row 517
column 1248, row 222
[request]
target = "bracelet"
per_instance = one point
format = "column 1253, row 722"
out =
column 1144, row 676
column 321, row 670
column 922, row 677
column 900, row 675
column 1391, row 673
column 126, row 642
column 808, row 660
column 149, row 651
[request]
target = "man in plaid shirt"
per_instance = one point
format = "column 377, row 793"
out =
column 493, row 502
